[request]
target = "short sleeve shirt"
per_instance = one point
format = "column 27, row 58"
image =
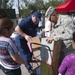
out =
column 7, row 49
column 28, row 27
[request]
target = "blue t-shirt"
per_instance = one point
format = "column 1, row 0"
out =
column 29, row 28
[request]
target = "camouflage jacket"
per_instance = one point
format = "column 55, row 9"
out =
column 63, row 29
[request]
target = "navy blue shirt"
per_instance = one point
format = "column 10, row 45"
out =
column 29, row 28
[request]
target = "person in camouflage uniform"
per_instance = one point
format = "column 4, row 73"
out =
column 62, row 29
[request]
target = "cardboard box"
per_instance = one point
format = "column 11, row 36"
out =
column 51, row 67
column 34, row 43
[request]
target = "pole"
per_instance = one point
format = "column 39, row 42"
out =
column 18, row 9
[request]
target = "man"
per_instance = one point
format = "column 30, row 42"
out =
column 27, row 29
column 61, row 30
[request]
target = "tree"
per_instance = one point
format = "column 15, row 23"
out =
column 4, row 4
column 10, row 4
column 38, row 5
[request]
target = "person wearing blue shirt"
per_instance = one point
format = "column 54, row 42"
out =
column 27, row 29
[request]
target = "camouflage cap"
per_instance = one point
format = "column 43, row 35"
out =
column 49, row 12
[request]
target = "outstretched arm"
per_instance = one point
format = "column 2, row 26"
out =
column 20, row 32
column 18, row 59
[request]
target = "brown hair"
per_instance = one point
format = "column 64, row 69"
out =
column 74, row 36
column 5, row 23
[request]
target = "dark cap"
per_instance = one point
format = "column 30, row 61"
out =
column 37, row 15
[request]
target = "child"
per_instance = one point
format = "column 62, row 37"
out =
column 67, row 66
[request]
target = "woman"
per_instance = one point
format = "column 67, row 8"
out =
column 9, row 58
column 67, row 66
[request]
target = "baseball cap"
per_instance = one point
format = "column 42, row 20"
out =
column 37, row 15
column 49, row 12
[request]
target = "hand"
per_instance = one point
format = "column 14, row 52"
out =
column 28, row 38
column 59, row 74
column 49, row 40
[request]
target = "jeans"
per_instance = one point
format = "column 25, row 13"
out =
column 27, row 59
column 24, row 54
column 10, row 72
